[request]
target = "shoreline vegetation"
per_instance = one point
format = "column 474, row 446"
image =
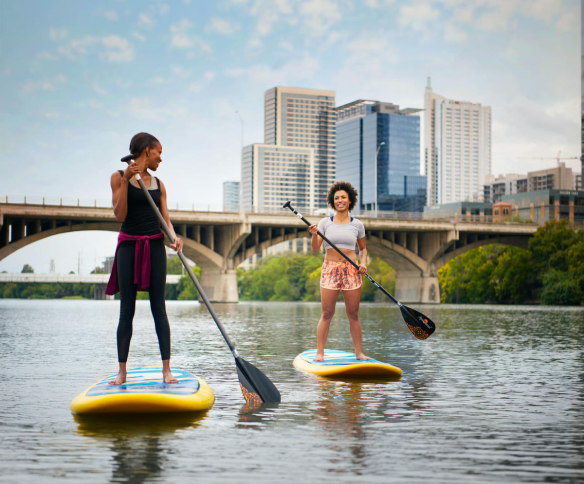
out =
column 550, row 271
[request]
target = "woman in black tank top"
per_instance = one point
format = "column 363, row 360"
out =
column 141, row 230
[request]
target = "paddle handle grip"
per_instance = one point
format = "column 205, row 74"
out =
column 373, row 281
column 171, row 237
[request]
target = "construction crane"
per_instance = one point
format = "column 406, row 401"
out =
column 558, row 158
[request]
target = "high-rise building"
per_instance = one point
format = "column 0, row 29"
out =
column 457, row 148
column 378, row 151
column 231, row 196
column 304, row 118
column 272, row 174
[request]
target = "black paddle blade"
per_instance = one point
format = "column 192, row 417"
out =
column 256, row 387
column 421, row 326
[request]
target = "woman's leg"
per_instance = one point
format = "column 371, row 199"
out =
column 158, row 306
column 352, row 299
column 328, row 301
column 125, row 267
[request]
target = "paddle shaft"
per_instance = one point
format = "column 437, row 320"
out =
column 183, row 259
column 373, row 281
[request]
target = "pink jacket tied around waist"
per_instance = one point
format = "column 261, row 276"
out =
column 141, row 262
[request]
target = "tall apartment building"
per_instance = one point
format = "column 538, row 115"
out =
column 388, row 179
column 304, row 118
column 231, row 196
column 457, row 148
column 272, row 174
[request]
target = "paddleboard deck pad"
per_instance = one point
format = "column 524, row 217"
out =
column 146, row 392
column 342, row 364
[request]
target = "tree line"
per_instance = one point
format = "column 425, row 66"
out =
column 550, row 271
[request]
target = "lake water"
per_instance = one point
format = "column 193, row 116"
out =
column 495, row 395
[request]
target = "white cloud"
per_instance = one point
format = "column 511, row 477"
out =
column 417, row 16
column 57, row 34
column 286, row 45
column 145, row 20
column 454, row 34
column 498, row 16
column 31, row 86
column 298, row 70
column 138, row 36
column 92, row 103
column 99, row 90
column 44, row 55
column 61, row 78
column 378, row 3
column 156, row 81
column 222, row 26
column 268, row 12
column 163, row 9
column 117, row 49
column 143, row 108
column 197, row 86
column 542, row 9
column 568, row 21
column 182, row 38
column 320, row 15
column 110, row 15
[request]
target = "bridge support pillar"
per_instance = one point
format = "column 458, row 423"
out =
column 413, row 287
column 220, row 285
column 99, row 292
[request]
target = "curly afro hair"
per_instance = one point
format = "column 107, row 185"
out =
column 342, row 185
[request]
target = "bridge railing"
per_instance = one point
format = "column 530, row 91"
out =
column 209, row 207
column 100, row 203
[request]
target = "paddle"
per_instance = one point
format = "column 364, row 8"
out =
column 257, row 388
column 421, row 326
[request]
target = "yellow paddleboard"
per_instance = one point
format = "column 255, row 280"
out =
column 342, row 364
column 146, row 392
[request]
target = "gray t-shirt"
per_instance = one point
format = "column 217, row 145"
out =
column 344, row 236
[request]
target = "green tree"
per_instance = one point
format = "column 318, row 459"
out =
column 512, row 277
column 98, row 270
column 384, row 275
column 186, row 288
column 26, row 269
column 174, row 265
column 561, row 288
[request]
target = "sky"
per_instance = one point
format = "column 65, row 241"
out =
column 79, row 79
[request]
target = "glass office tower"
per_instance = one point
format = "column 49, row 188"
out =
column 389, row 179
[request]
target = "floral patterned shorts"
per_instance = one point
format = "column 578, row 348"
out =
column 339, row 275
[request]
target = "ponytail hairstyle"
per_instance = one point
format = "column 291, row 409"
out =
column 141, row 141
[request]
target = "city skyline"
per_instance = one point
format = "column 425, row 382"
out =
column 79, row 79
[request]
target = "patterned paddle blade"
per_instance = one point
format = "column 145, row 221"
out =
column 256, row 387
column 420, row 325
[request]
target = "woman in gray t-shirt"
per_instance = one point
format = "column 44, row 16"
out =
column 337, row 273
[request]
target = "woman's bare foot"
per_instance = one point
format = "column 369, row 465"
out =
column 167, row 377
column 318, row 357
column 361, row 356
column 121, row 378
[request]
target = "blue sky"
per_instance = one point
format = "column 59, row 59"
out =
column 80, row 78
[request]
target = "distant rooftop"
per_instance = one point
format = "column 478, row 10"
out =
column 363, row 107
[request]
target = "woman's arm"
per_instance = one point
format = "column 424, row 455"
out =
column 362, row 256
column 316, row 239
column 178, row 243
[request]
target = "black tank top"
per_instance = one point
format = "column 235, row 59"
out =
column 141, row 219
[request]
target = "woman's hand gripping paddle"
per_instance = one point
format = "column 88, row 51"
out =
column 257, row 388
column 421, row 326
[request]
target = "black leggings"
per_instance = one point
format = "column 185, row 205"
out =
column 156, row 291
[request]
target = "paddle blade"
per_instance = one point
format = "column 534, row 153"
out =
column 256, row 387
column 420, row 325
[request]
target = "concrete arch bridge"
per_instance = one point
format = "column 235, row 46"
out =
column 219, row 241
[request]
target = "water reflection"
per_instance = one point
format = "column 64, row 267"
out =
column 139, row 443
